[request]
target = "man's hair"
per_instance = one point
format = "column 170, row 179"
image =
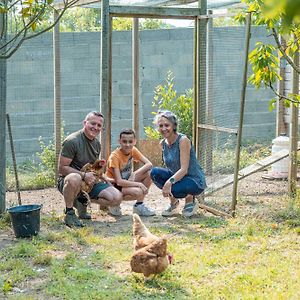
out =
column 93, row 113
column 127, row 131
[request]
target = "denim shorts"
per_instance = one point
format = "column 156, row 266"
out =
column 180, row 189
column 96, row 190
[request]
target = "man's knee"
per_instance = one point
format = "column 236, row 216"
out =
column 72, row 182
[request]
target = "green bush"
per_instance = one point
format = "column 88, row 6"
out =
column 165, row 98
column 35, row 175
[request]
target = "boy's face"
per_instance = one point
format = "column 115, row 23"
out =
column 127, row 141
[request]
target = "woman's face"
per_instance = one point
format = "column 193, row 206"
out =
column 165, row 127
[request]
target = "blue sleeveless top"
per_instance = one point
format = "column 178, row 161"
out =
column 171, row 157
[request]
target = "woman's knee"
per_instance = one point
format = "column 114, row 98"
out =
column 155, row 172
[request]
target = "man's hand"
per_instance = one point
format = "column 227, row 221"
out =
column 90, row 178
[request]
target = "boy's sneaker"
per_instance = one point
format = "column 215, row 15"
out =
column 82, row 210
column 72, row 220
column 143, row 210
column 190, row 208
column 171, row 210
column 115, row 211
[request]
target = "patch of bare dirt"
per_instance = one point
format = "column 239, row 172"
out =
column 256, row 197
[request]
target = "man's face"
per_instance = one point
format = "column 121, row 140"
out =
column 93, row 126
column 127, row 141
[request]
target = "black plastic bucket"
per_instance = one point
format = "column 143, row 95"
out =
column 25, row 219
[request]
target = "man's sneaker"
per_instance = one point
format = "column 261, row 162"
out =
column 190, row 208
column 143, row 210
column 115, row 211
column 171, row 210
column 72, row 220
column 82, row 210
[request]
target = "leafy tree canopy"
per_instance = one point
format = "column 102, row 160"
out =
column 22, row 20
column 285, row 30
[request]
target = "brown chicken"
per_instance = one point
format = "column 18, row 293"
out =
column 141, row 235
column 98, row 169
column 150, row 256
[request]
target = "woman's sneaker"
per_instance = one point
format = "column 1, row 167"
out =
column 190, row 209
column 143, row 210
column 115, row 211
column 171, row 210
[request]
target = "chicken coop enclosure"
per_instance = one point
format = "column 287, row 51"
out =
column 117, row 72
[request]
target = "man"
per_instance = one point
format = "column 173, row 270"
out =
column 78, row 149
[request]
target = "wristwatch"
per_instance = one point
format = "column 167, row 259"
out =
column 172, row 180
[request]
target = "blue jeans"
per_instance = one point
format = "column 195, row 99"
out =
column 180, row 189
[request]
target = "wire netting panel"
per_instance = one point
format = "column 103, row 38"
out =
column 220, row 114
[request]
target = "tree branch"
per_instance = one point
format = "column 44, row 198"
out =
column 280, row 96
column 281, row 49
column 10, row 47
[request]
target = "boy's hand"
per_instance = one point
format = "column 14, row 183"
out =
column 143, row 187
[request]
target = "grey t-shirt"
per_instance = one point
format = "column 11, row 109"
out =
column 80, row 149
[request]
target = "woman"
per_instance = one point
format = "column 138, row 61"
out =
column 183, row 176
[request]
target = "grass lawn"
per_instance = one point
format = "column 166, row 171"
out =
column 253, row 256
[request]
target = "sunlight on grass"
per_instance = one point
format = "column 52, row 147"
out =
column 239, row 258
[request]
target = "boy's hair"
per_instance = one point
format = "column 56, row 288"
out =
column 127, row 131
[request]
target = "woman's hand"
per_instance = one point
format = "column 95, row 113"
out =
column 166, row 190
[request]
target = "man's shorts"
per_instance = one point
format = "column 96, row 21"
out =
column 96, row 190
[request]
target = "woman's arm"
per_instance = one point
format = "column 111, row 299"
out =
column 185, row 147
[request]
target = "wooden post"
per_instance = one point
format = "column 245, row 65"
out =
column 3, row 28
column 196, row 74
column 105, row 77
column 57, row 92
column 135, row 78
column 241, row 121
column 201, row 43
column 209, row 105
column 292, row 177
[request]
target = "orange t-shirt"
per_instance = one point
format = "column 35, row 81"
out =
column 124, row 163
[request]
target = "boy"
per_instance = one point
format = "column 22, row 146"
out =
column 133, row 185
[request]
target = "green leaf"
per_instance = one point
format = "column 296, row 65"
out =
column 272, row 104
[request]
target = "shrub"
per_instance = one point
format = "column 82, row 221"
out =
column 165, row 98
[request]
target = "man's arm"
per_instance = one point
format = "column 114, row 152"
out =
column 64, row 167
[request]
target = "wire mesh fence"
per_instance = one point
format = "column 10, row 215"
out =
column 30, row 89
